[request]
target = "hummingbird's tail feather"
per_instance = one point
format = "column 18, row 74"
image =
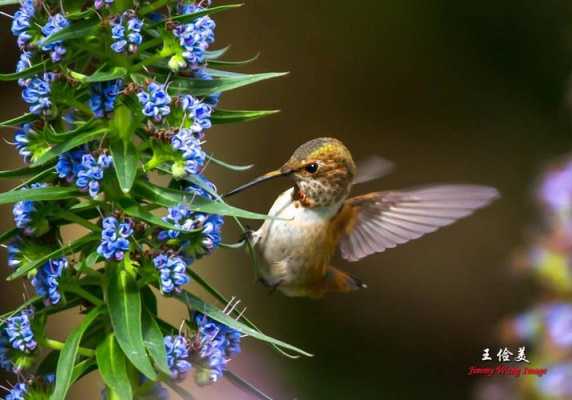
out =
column 337, row 281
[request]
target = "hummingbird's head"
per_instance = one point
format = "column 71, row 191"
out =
column 322, row 169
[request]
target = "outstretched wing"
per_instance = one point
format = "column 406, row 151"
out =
column 383, row 220
column 371, row 168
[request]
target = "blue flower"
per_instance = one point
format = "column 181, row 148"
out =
column 37, row 93
column 556, row 188
column 22, row 22
column 195, row 37
column 126, row 32
column 202, row 74
column 197, row 190
column 14, row 250
column 217, row 344
column 177, row 348
column 55, row 24
column 24, row 210
column 173, row 272
column 18, row 330
column 189, row 146
column 46, row 281
column 102, row 3
column 200, row 112
column 22, row 140
column 155, row 101
column 5, row 362
column 103, row 95
column 209, row 226
column 69, row 164
column 24, row 63
column 18, row 392
column 557, row 382
column 114, row 238
column 90, row 173
column 559, row 324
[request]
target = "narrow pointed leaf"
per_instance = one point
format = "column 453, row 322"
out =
column 22, row 172
column 112, row 367
column 234, row 63
column 64, row 250
column 154, row 341
column 125, row 161
column 83, row 368
column 230, row 116
column 134, row 210
column 72, row 143
column 124, row 303
column 170, row 198
column 47, row 193
column 32, row 70
column 17, row 121
column 214, row 54
column 185, row 19
column 7, row 235
column 200, row 87
column 74, row 31
column 245, row 385
column 232, row 167
column 103, row 76
column 197, row 304
column 68, row 355
column 8, row 2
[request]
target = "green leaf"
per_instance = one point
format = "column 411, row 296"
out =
column 214, row 54
column 66, row 361
column 234, row 63
column 70, row 144
column 103, row 76
column 73, row 31
column 125, row 162
column 123, row 124
column 112, row 367
column 170, row 198
column 7, row 235
column 232, row 167
column 8, row 2
column 154, row 341
column 47, row 193
column 200, row 87
column 22, row 119
column 22, row 172
column 185, row 19
column 124, row 303
column 229, row 116
column 83, row 368
column 42, row 176
column 32, row 70
column 134, row 210
column 194, row 303
column 245, row 385
column 67, row 249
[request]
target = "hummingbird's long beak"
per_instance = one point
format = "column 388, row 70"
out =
column 270, row 175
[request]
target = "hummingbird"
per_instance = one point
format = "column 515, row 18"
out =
column 316, row 217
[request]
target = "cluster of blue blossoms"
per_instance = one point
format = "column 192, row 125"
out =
column 18, row 392
column 155, row 101
column 36, row 92
column 115, row 238
column 195, row 37
column 126, row 33
column 103, row 95
column 173, row 272
column 217, row 344
column 23, row 212
column 55, row 24
column 177, row 349
column 46, row 281
column 22, row 22
column 84, row 168
column 18, row 331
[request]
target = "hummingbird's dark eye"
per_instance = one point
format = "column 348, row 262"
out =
column 312, row 168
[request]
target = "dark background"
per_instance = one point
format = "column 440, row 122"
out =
column 452, row 91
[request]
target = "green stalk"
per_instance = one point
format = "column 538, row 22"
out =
column 57, row 345
column 153, row 6
column 84, row 294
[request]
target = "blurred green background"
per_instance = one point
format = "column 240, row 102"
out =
column 451, row 91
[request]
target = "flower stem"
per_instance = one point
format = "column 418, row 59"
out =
column 84, row 293
column 57, row 345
